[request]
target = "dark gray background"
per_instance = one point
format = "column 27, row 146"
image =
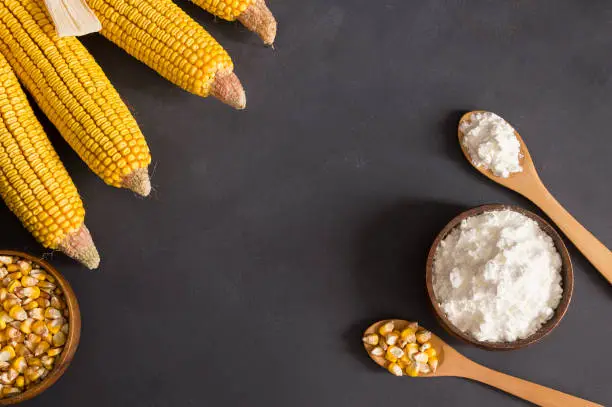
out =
column 277, row 234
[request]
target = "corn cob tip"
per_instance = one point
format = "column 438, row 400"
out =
column 138, row 181
column 80, row 246
column 259, row 19
column 227, row 88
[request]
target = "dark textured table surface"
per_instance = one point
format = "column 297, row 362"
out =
column 276, row 235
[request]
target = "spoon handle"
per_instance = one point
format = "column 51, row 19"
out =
column 539, row 395
column 595, row 251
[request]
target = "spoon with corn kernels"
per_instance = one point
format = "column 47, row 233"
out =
column 405, row 349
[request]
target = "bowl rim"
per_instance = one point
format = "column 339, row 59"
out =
column 74, row 332
column 567, row 274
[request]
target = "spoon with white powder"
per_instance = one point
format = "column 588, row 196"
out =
column 497, row 151
column 452, row 363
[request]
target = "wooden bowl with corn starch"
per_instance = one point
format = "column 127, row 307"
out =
column 73, row 336
column 567, row 275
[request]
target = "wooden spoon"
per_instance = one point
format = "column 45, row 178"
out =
column 452, row 363
column 528, row 184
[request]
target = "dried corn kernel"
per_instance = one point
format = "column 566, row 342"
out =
column 407, row 336
column 6, row 259
column 18, row 313
column 411, row 349
column 59, row 304
column 26, row 326
column 395, row 369
column 13, row 285
column 53, row 313
column 30, row 292
column 34, row 361
column 12, row 333
column 393, row 353
column 19, row 364
column 3, row 293
column 9, row 376
column 37, row 313
column 20, row 381
column 21, row 350
column 420, row 357
column 30, row 306
column 41, row 348
column 433, row 363
column 28, row 281
column 59, row 339
column 431, row 352
column 423, row 336
column 413, row 325
column 386, row 328
column 424, row 368
column 7, row 353
column 39, row 328
column 412, row 370
column 425, row 346
column 54, row 325
column 11, row 268
column 43, row 302
column 38, row 274
column 370, row 339
column 57, row 351
column 391, row 338
column 25, row 267
column 34, row 373
column 10, row 303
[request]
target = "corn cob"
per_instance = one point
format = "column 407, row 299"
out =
column 161, row 35
column 254, row 14
column 74, row 93
column 33, row 182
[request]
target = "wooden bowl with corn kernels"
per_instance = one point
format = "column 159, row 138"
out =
column 37, row 365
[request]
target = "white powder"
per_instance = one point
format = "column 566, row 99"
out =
column 497, row 276
column 492, row 144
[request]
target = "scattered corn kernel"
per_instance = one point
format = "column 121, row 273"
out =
column 412, row 370
column 370, row 339
column 420, row 357
column 395, row 369
column 433, row 363
column 386, row 328
column 423, row 336
column 391, row 338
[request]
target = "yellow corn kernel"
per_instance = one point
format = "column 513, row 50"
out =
column 386, row 328
column 38, row 274
column 65, row 328
column 26, row 326
column 21, row 350
column 391, row 338
column 19, row 364
column 2, row 324
column 43, row 302
column 3, row 293
column 34, row 361
column 413, row 325
column 425, row 346
column 411, row 349
column 25, row 267
column 12, row 285
column 59, row 339
column 395, row 369
column 34, row 373
column 7, row 353
column 41, row 348
column 433, row 363
column 11, row 268
column 47, row 362
column 37, row 313
column 431, row 352
column 18, row 313
column 54, row 325
column 420, row 357
column 6, row 260
column 20, row 381
column 4, row 316
column 28, row 281
column 412, row 370
column 56, row 302
column 8, row 377
column 48, row 337
column 54, row 352
column 370, row 339
column 53, row 313
column 377, row 351
column 407, row 336
column 39, row 328
column 30, row 306
column 9, row 303
column 393, row 353
column 423, row 336
column 12, row 333
column 8, row 391
column 424, row 368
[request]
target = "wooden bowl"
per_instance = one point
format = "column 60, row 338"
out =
column 567, row 275
column 72, row 340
